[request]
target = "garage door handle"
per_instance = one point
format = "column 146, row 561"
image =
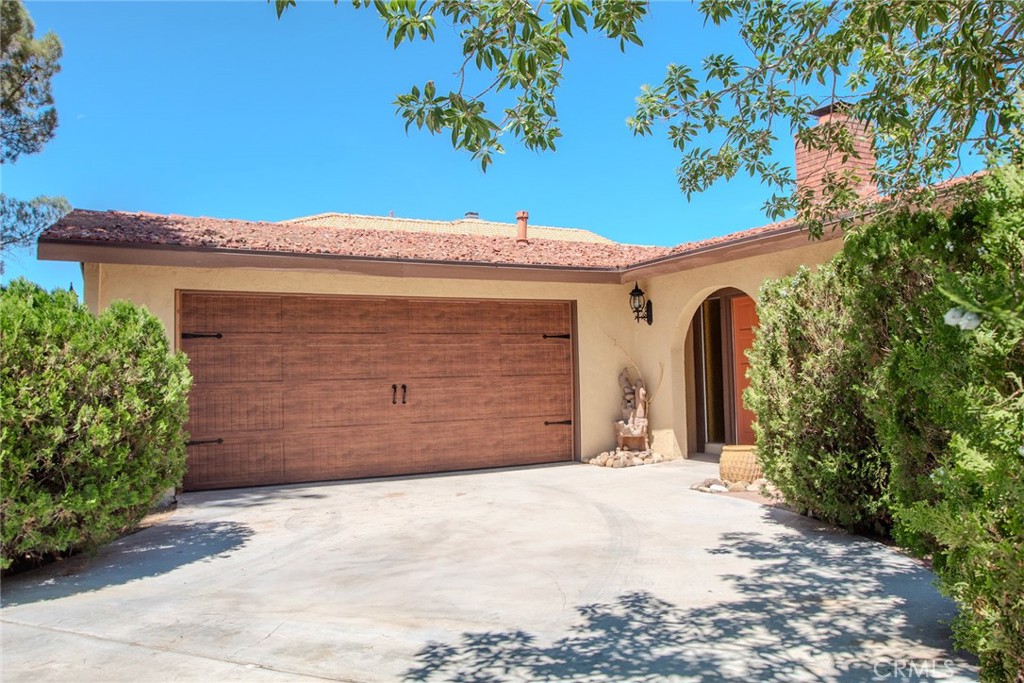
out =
column 557, row 336
column 403, row 394
column 559, row 422
column 201, row 335
column 200, row 442
column 394, row 394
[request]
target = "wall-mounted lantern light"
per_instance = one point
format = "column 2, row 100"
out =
column 642, row 309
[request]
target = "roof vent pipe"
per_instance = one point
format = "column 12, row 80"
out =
column 521, row 218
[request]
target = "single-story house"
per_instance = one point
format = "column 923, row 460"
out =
column 341, row 346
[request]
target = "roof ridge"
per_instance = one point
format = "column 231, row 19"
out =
column 333, row 214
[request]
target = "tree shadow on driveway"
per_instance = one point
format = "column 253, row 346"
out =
column 150, row 552
column 813, row 606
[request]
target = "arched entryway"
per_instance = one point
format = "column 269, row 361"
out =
column 721, row 330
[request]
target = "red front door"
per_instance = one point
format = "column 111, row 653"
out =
column 744, row 323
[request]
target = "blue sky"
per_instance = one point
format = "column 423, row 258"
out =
column 220, row 109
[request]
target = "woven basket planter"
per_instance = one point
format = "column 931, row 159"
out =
column 739, row 463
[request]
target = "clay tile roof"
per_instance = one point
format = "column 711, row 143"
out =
column 346, row 235
column 139, row 229
column 732, row 237
column 463, row 226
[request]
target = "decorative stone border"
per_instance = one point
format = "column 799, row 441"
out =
column 760, row 486
column 623, row 457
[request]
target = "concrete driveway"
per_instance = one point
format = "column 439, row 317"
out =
column 555, row 573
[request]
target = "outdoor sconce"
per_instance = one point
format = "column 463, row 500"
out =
column 642, row 308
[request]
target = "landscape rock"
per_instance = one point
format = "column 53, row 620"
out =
column 737, row 486
column 624, row 457
column 718, row 488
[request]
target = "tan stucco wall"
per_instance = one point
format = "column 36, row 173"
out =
column 602, row 311
column 607, row 337
column 676, row 298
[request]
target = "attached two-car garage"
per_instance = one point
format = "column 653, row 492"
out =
column 294, row 388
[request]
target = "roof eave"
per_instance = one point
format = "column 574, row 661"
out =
column 86, row 251
column 787, row 237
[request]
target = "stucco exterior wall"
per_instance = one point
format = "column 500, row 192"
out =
column 602, row 311
column 607, row 337
column 676, row 298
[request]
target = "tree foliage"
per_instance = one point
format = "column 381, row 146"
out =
column 941, row 300
column 27, row 65
column 933, row 79
column 28, row 118
column 21, row 221
column 899, row 365
column 518, row 47
column 92, row 410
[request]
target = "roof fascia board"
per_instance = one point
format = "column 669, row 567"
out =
column 185, row 257
column 789, row 237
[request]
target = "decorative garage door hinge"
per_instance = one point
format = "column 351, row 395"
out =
column 201, row 335
column 200, row 442
column 559, row 422
column 557, row 336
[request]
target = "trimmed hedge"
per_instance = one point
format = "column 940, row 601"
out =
column 891, row 381
column 92, row 412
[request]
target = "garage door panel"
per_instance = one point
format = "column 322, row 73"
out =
column 235, row 463
column 214, row 412
column 549, row 398
column 345, row 403
column 441, row 402
column 427, row 359
column 535, row 318
column 212, row 313
column 530, row 441
column 339, row 455
column 451, row 317
column 536, row 357
column 460, row 445
column 349, row 359
column 304, row 393
column 332, row 315
column 218, row 361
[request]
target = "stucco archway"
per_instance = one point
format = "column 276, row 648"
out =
column 684, row 368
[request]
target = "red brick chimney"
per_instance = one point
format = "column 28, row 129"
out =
column 521, row 218
column 813, row 164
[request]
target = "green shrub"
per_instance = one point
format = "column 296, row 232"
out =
column 92, row 417
column 893, row 266
column 891, row 381
column 813, row 436
column 948, row 403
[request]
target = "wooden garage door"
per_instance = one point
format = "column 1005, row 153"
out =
column 301, row 388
